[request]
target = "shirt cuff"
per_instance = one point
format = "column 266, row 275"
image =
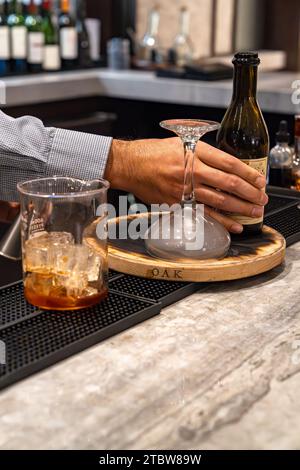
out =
column 77, row 154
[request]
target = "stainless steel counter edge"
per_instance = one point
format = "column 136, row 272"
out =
column 275, row 89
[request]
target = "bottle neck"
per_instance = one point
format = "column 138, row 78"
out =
column 33, row 8
column 244, row 82
column 65, row 6
column 46, row 8
column 16, row 7
column 81, row 10
column 184, row 23
column 153, row 23
column 2, row 9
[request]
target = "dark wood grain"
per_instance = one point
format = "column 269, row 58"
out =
column 282, row 29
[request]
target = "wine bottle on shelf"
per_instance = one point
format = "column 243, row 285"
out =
column 243, row 132
column 83, row 36
column 36, row 40
column 18, row 36
column 148, row 48
column 68, row 36
column 183, row 47
column 4, row 40
column 51, row 59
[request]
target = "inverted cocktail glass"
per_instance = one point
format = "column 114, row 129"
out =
column 186, row 233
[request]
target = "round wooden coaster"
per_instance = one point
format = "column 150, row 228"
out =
column 246, row 258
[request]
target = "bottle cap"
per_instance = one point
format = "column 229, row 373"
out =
column 283, row 135
column 246, row 58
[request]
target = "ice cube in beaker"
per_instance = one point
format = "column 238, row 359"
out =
column 38, row 250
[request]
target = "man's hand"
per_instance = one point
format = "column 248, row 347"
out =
column 8, row 211
column 153, row 170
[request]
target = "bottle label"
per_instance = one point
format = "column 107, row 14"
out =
column 69, row 43
column 51, row 57
column 4, row 43
column 19, row 43
column 261, row 165
column 35, row 47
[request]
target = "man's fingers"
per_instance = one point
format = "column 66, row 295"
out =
column 233, row 184
column 227, row 203
column 231, row 165
column 228, row 223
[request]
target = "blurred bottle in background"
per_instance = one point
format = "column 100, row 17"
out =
column 149, row 45
column 68, row 36
column 183, row 48
column 118, row 54
column 36, row 38
column 4, row 40
column 93, row 26
column 281, row 159
column 296, row 161
column 18, row 36
column 83, row 36
column 51, row 57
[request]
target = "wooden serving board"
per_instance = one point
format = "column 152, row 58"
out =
column 246, row 258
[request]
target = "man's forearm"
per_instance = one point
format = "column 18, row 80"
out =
column 30, row 150
column 120, row 168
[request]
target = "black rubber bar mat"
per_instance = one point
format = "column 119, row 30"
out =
column 13, row 306
column 287, row 223
column 278, row 204
column 280, row 199
column 41, row 339
column 113, row 275
column 283, row 213
column 165, row 292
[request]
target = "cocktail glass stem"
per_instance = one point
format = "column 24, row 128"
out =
column 188, row 196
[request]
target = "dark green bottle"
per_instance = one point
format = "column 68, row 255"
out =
column 243, row 131
column 51, row 51
column 36, row 39
column 18, row 34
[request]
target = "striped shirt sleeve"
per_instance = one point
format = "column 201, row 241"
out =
column 30, row 150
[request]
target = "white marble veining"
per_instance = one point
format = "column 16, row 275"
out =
column 275, row 89
column 219, row 369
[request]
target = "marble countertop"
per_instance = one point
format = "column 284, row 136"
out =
column 275, row 89
column 220, row 369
